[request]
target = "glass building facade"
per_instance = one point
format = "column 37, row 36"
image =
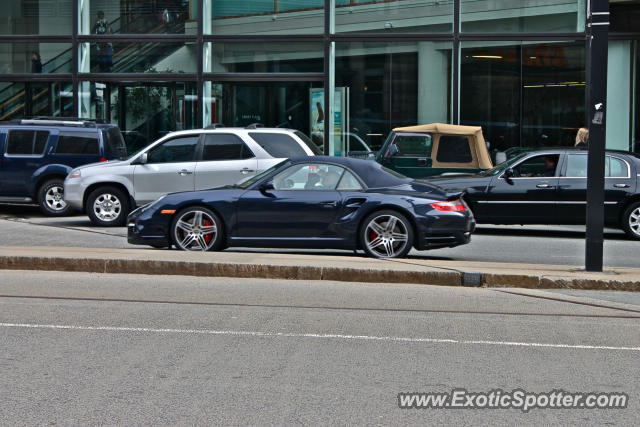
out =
column 345, row 72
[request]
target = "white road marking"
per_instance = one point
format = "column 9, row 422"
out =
column 321, row 336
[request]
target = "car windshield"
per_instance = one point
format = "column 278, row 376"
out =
column 252, row 180
column 502, row 166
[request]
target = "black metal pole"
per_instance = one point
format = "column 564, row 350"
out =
column 598, row 35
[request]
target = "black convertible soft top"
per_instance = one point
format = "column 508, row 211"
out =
column 372, row 173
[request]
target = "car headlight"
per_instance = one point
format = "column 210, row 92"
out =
column 75, row 174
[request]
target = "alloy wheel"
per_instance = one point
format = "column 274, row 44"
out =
column 386, row 236
column 195, row 230
column 634, row 221
column 107, row 207
column 54, row 199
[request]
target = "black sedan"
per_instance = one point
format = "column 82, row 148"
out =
column 319, row 202
column 550, row 187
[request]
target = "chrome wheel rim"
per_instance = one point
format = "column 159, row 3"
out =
column 54, row 198
column 107, row 207
column 386, row 236
column 634, row 221
column 195, row 231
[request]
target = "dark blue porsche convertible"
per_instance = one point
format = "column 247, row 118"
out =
column 311, row 202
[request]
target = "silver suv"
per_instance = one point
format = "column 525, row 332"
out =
column 180, row 161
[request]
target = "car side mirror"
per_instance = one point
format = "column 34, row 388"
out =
column 142, row 159
column 392, row 151
column 508, row 174
column 267, row 186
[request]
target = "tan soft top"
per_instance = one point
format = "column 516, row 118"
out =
column 441, row 128
column 479, row 153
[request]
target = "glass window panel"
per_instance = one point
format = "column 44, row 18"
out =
column 576, row 166
column 273, row 104
column 138, row 17
column 144, row 112
column 616, row 168
column 509, row 16
column 278, row 145
column 387, row 85
column 134, row 57
column 454, row 149
column 538, row 166
column 19, row 99
column 413, row 145
column 263, row 57
column 26, row 142
column 77, row 143
column 349, row 182
column 523, row 94
column 43, row 17
column 35, row 58
column 262, row 17
column 394, row 16
column 174, row 150
column 224, row 146
column 308, row 177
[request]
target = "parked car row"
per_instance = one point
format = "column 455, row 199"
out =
column 207, row 189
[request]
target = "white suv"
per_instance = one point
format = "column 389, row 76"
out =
column 181, row 161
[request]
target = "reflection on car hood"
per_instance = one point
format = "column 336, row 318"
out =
column 110, row 163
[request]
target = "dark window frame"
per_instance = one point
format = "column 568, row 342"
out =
column 243, row 148
column 33, row 142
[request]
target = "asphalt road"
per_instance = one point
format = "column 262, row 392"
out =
column 89, row 349
column 25, row 226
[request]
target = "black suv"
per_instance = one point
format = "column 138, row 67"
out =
column 38, row 153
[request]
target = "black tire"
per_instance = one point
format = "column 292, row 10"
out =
column 631, row 221
column 107, row 206
column 382, row 238
column 197, row 229
column 50, row 198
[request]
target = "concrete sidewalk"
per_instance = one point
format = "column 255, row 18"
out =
column 238, row 263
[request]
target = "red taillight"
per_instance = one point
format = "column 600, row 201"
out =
column 451, row 206
column 103, row 159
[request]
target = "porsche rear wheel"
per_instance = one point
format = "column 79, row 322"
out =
column 386, row 234
column 197, row 229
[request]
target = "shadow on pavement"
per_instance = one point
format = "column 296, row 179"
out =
column 528, row 232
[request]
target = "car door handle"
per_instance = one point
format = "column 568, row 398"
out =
column 621, row 185
column 422, row 162
column 184, row 172
column 246, row 170
column 544, row 186
column 329, row 204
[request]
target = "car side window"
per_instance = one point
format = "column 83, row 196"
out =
column 454, row 149
column 349, row 182
column 576, row 166
column 77, row 143
column 615, row 168
column 309, row 176
column 225, row 146
column 537, row 166
column 414, row 145
column 27, row 142
column 181, row 149
column 278, row 145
